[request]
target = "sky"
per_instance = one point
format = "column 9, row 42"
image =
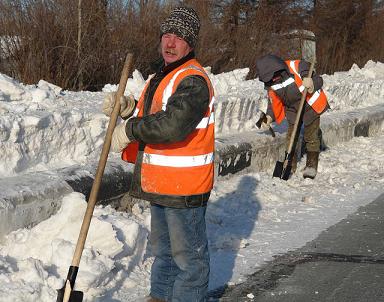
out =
column 250, row 217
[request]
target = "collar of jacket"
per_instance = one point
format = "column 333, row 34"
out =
column 159, row 66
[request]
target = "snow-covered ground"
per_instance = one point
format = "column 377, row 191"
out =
column 250, row 218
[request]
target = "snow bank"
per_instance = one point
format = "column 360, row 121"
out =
column 356, row 88
column 115, row 248
column 238, row 101
column 43, row 127
column 40, row 128
column 134, row 85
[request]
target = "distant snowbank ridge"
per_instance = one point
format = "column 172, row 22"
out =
column 43, row 127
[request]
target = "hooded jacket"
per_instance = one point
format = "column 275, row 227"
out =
column 269, row 66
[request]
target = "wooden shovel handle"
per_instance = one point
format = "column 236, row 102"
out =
column 102, row 162
column 300, row 109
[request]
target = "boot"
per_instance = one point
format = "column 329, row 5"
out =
column 310, row 169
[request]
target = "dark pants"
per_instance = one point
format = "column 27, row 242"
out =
column 311, row 135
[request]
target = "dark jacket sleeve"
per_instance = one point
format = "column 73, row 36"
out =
column 185, row 109
column 304, row 70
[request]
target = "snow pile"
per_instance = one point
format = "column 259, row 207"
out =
column 134, row 85
column 233, row 84
column 37, row 96
column 43, row 127
column 114, row 253
column 237, row 101
column 40, row 129
column 228, row 85
column 356, row 88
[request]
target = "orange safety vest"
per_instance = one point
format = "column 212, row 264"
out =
column 181, row 168
column 317, row 100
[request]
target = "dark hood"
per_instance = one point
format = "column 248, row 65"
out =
column 267, row 65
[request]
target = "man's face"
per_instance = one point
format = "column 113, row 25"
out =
column 173, row 48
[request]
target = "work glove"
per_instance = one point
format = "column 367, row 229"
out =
column 127, row 104
column 308, row 83
column 265, row 121
column 120, row 139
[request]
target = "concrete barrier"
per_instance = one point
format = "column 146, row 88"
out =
column 22, row 206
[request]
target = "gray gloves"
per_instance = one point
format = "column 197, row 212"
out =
column 308, row 83
column 120, row 139
column 127, row 105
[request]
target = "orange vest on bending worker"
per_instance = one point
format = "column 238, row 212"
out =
column 317, row 100
column 182, row 168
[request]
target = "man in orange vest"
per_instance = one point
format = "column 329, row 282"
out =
column 285, row 82
column 170, row 139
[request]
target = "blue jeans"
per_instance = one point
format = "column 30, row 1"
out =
column 180, row 271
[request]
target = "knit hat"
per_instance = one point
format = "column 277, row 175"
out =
column 183, row 22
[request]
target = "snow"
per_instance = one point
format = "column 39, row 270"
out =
column 357, row 87
column 72, row 126
column 42, row 262
column 250, row 218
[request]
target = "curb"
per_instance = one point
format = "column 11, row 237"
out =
column 259, row 152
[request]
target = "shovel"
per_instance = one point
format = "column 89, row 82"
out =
column 67, row 293
column 283, row 169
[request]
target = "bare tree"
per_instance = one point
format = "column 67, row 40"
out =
column 81, row 44
column 79, row 73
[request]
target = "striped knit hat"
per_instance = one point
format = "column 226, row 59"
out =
column 183, row 22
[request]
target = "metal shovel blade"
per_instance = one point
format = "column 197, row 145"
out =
column 282, row 172
column 76, row 296
column 69, row 284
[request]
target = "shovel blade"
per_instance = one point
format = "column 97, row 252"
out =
column 76, row 296
column 280, row 172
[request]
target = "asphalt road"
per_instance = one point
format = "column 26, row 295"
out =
column 345, row 263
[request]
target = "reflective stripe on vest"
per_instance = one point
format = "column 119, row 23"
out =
column 284, row 84
column 205, row 121
column 317, row 100
column 135, row 113
column 297, row 74
column 169, row 89
column 178, row 161
column 311, row 101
